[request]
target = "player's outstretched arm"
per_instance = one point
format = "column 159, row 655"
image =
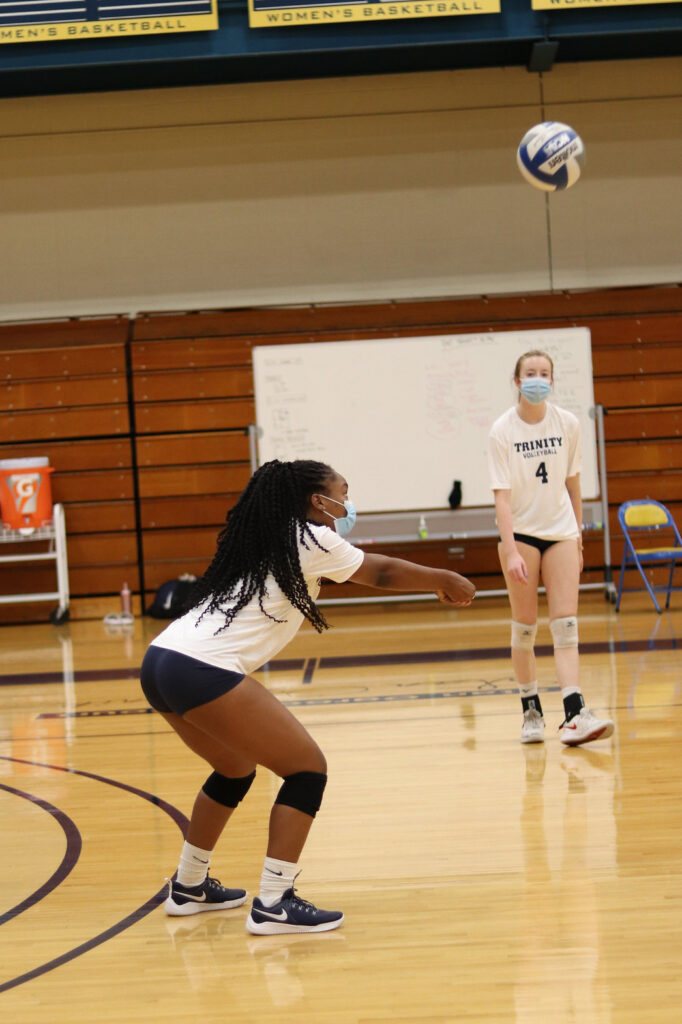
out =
column 387, row 573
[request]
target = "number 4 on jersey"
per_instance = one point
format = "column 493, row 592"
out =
column 541, row 471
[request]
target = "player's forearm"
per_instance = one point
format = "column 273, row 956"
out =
column 387, row 573
column 577, row 503
column 504, row 523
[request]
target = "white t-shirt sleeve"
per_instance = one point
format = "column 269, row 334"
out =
column 498, row 463
column 338, row 562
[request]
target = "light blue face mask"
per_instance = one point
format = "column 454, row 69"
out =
column 344, row 524
column 535, row 389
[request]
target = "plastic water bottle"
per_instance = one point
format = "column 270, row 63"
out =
column 125, row 599
column 422, row 529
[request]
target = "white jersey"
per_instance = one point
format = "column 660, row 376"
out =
column 252, row 638
column 533, row 460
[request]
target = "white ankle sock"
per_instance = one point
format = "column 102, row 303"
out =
column 277, row 877
column 193, row 866
column 528, row 689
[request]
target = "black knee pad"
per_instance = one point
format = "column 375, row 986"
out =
column 303, row 791
column 227, row 792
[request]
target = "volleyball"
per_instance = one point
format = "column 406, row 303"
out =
column 551, row 156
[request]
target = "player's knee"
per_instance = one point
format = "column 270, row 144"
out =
column 226, row 791
column 303, row 791
column 565, row 631
column 312, row 760
column 523, row 635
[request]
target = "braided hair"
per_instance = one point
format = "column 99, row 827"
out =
column 260, row 539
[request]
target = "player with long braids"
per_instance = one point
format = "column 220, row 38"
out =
column 284, row 535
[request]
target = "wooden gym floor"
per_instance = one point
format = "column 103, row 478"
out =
column 482, row 881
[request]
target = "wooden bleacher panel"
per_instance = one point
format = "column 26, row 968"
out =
column 191, row 352
column 179, row 449
column 193, row 415
column 67, row 386
column 193, row 404
column 216, row 382
column 620, row 342
column 87, row 421
column 626, row 424
column 188, row 510
column 171, row 481
column 106, row 517
column 193, row 401
column 193, row 543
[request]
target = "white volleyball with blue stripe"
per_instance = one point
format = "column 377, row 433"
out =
column 551, row 156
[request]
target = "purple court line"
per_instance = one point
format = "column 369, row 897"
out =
column 74, row 845
column 310, row 666
column 365, row 660
column 108, row 674
column 490, row 653
column 137, row 915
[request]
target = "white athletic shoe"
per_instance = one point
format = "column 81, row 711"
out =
column 585, row 727
column 533, row 728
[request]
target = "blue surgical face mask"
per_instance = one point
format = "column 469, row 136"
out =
column 344, row 524
column 535, row 389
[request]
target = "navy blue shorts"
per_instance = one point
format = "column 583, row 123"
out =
column 176, row 682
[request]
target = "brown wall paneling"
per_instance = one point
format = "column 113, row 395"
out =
column 163, row 386
column 626, row 392
column 93, row 485
column 626, row 424
column 67, row 456
column 623, row 359
column 165, row 545
column 88, row 421
column 157, row 573
column 224, row 414
column 83, row 580
column 195, row 370
column 655, row 329
column 82, row 331
column 637, row 456
column 70, row 392
column 94, row 549
column 85, row 360
column 179, row 449
column 187, row 510
column 178, row 480
column 67, row 379
column 99, row 517
column 664, row 487
column 507, row 310
column 183, row 353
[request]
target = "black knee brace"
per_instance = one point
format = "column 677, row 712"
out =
column 303, row 791
column 227, row 792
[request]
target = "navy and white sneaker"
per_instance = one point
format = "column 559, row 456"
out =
column 210, row 895
column 289, row 916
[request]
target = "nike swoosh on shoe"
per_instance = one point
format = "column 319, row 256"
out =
column 281, row 915
column 188, row 896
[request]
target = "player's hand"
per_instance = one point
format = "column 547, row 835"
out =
column 517, row 569
column 460, row 591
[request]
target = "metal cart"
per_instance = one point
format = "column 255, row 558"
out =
column 54, row 533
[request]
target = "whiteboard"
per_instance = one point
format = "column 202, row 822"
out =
column 402, row 418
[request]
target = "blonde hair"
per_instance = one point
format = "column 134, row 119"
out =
column 527, row 355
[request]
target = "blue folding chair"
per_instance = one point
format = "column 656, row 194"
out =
column 647, row 517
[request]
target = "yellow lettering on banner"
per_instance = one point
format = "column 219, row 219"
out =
column 89, row 29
